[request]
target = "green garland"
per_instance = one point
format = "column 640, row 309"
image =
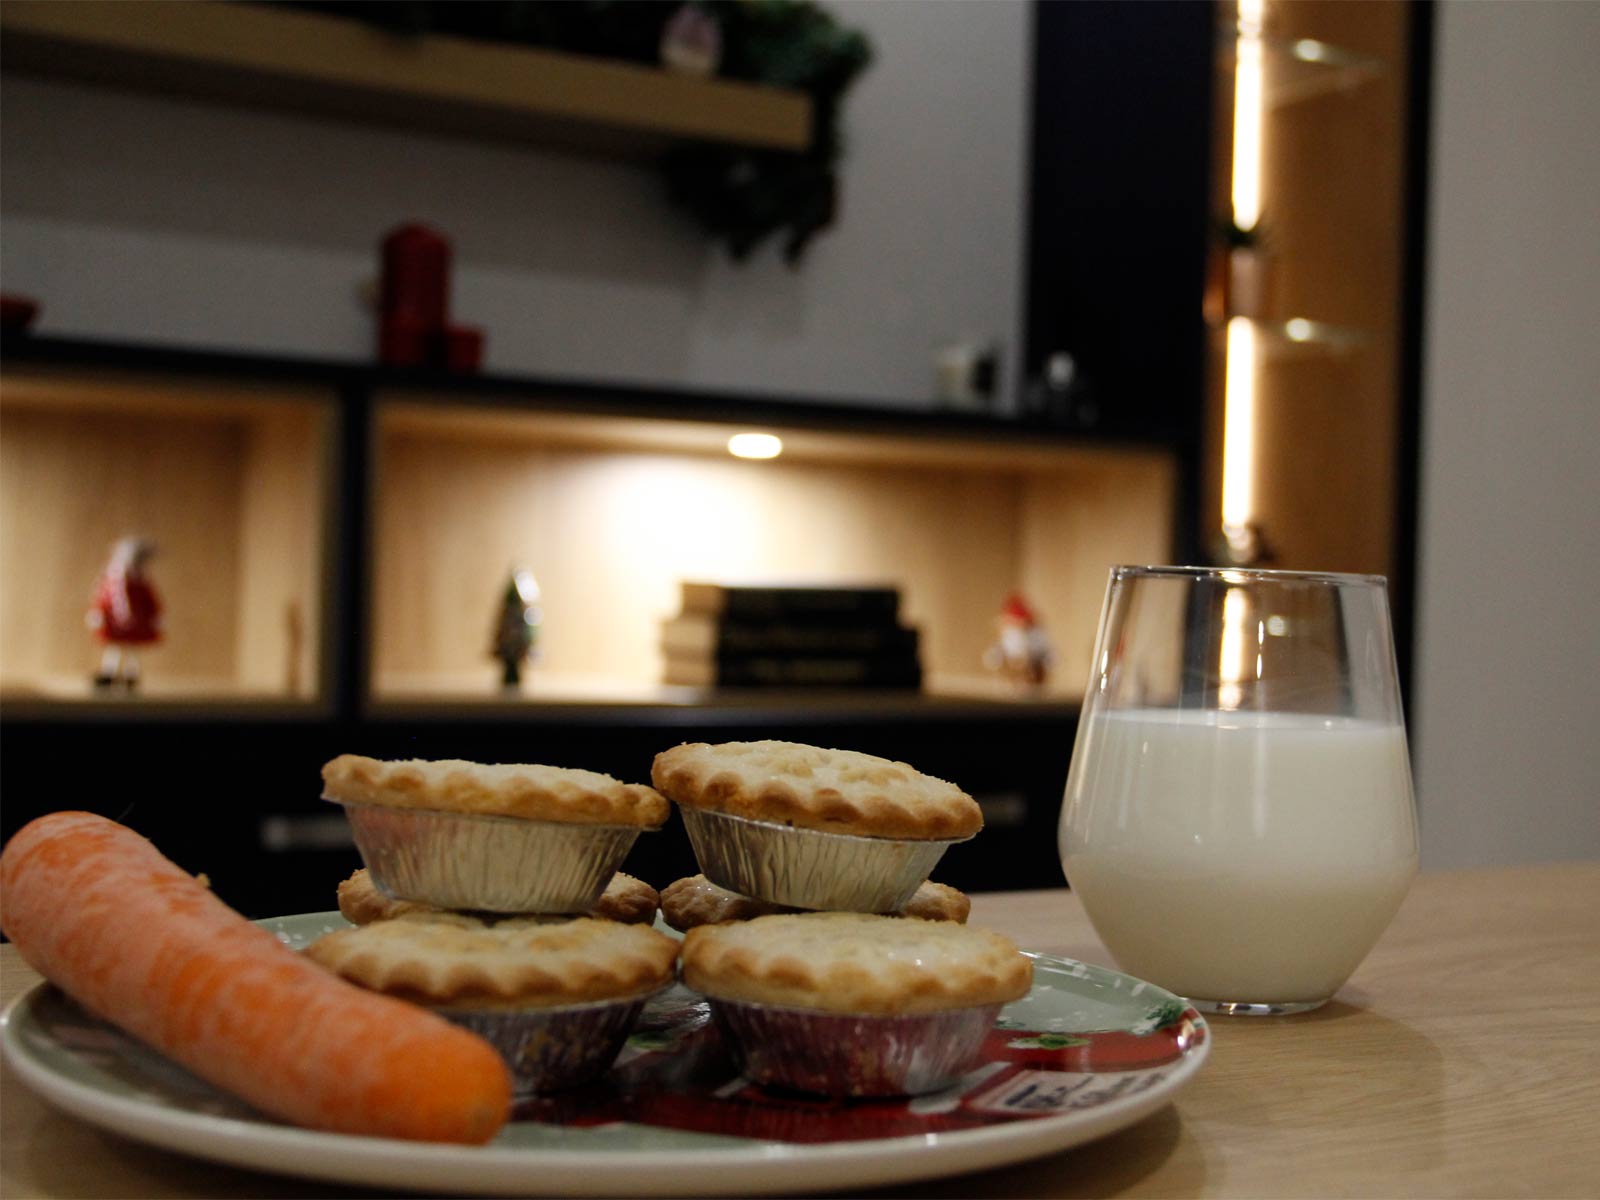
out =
column 740, row 195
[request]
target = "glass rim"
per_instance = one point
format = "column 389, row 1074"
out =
column 1247, row 575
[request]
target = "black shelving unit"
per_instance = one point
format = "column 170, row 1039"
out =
column 1118, row 225
column 232, row 790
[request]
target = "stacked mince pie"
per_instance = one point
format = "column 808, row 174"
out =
column 831, row 963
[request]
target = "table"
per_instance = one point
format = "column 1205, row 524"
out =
column 1463, row 1059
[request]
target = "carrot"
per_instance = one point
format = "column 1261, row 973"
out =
column 101, row 913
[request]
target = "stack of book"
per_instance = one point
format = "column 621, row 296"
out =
column 781, row 636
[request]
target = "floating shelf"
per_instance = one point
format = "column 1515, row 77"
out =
column 1295, row 337
column 272, row 57
column 232, row 482
column 1298, row 69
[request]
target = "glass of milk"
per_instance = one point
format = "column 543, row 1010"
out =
column 1238, row 818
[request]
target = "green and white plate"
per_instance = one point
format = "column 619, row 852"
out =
column 1088, row 1051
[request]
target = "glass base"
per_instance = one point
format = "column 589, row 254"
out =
column 1240, row 1008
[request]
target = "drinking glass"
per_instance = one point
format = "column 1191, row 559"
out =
column 1238, row 818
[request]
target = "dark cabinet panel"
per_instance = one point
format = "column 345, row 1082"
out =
column 240, row 801
column 1117, row 232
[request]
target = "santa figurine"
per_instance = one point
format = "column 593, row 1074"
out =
column 1022, row 652
column 126, row 612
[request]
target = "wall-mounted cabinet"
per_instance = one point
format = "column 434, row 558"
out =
column 1309, row 393
column 612, row 514
column 1175, row 232
column 231, row 481
column 334, row 542
column 611, row 504
column 1116, row 256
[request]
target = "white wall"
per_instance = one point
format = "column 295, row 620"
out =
column 1507, row 712
column 157, row 221
column 160, row 221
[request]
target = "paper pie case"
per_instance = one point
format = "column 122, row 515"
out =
column 809, row 868
column 487, row 863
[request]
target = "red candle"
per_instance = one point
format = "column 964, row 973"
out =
column 416, row 277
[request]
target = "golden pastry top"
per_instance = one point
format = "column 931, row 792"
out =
column 528, row 791
column 835, row 791
column 448, row 960
column 855, row 963
column 626, row 899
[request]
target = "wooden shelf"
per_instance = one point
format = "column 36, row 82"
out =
column 443, row 417
column 1329, row 475
column 232, row 482
column 611, row 496
column 481, row 688
column 1301, row 69
column 475, row 697
column 159, row 697
column 612, row 513
column 307, row 62
column 1296, row 338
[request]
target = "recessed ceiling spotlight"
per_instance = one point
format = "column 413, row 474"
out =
column 755, row 445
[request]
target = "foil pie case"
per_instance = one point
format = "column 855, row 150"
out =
column 549, row 1049
column 808, row 868
column 487, row 863
column 849, row 1054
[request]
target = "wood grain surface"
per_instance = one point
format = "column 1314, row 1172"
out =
column 1463, row 1059
column 610, row 533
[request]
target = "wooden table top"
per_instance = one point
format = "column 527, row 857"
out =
column 1463, row 1059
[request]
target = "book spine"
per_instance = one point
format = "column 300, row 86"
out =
column 797, row 672
column 731, row 638
column 776, row 603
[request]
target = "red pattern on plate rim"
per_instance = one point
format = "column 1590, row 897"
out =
column 681, row 1076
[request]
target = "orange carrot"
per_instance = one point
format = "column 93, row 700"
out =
column 100, row 912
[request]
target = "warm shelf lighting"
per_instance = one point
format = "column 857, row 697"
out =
column 1239, row 430
column 1231, row 663
column 1309, row 50
column 1247, row 85
column 1239, row 379
column 755, row 445
column 1298, row 329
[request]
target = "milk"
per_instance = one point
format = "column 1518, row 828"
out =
column 1239, row 856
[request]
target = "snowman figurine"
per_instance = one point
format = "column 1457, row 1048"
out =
column 125, row 613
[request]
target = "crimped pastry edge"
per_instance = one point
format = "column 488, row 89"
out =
column 756, row 962
column 627, row 900
column 694, row 900
column 399, row 957
column 525, row 791
column 914, row 807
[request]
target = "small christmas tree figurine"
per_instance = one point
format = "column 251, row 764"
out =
column 517, row 627
column 125, row 613
column 1022, row 653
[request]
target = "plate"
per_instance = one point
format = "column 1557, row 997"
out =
column 1088, row 1051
